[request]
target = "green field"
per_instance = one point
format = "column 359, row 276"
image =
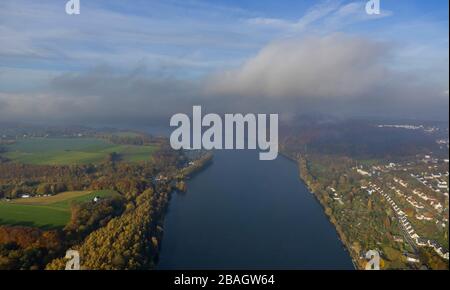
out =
column 45, row 212
column 126, row 134
column 67, row 151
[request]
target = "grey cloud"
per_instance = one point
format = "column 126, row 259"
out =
column 325, row 67
column 3, row 106
column 102, row 96
column 337, row 74
column 334, row 74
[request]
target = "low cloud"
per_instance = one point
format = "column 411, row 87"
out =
column 336, row 74
column 328, row 67
column 102, row 96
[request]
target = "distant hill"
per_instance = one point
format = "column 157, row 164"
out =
column 359, row 139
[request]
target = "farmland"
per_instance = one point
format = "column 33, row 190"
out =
column 69, row 151
column 45, row 212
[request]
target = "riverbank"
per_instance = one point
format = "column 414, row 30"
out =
column 303, row 175
column 197, row 165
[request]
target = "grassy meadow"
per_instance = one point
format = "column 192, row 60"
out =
column 68, row 151
column 45, row 212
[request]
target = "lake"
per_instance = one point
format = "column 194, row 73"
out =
column 243, row 213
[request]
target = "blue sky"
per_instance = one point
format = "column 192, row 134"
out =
column 196, row 35
column 193, row 40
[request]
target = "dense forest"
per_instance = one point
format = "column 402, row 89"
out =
column 338, row 138
column 129, row 241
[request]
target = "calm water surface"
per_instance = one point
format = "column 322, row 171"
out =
column 242, row 213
